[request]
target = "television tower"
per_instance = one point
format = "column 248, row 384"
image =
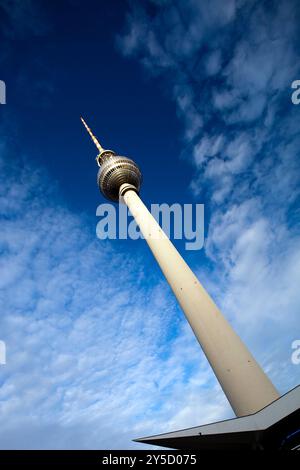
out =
column 246, row 386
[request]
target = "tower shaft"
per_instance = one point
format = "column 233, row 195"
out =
column 245, row 384
column 243, row 381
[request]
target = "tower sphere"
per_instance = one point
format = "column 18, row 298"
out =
column 114, row 171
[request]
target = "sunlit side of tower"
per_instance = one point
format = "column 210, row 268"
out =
column 243, row 381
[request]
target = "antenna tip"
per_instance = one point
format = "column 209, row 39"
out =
column 85, row 124
column 94, row 139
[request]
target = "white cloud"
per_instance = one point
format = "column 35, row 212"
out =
column 91, row 362
column 95, row 358
column 236, row 80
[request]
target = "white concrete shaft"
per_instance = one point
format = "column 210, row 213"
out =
column 246, row 386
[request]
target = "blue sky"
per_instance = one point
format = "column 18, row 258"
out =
column 199, row 94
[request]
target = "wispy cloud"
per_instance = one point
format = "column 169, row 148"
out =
column 95, row 354
column 229, row 67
